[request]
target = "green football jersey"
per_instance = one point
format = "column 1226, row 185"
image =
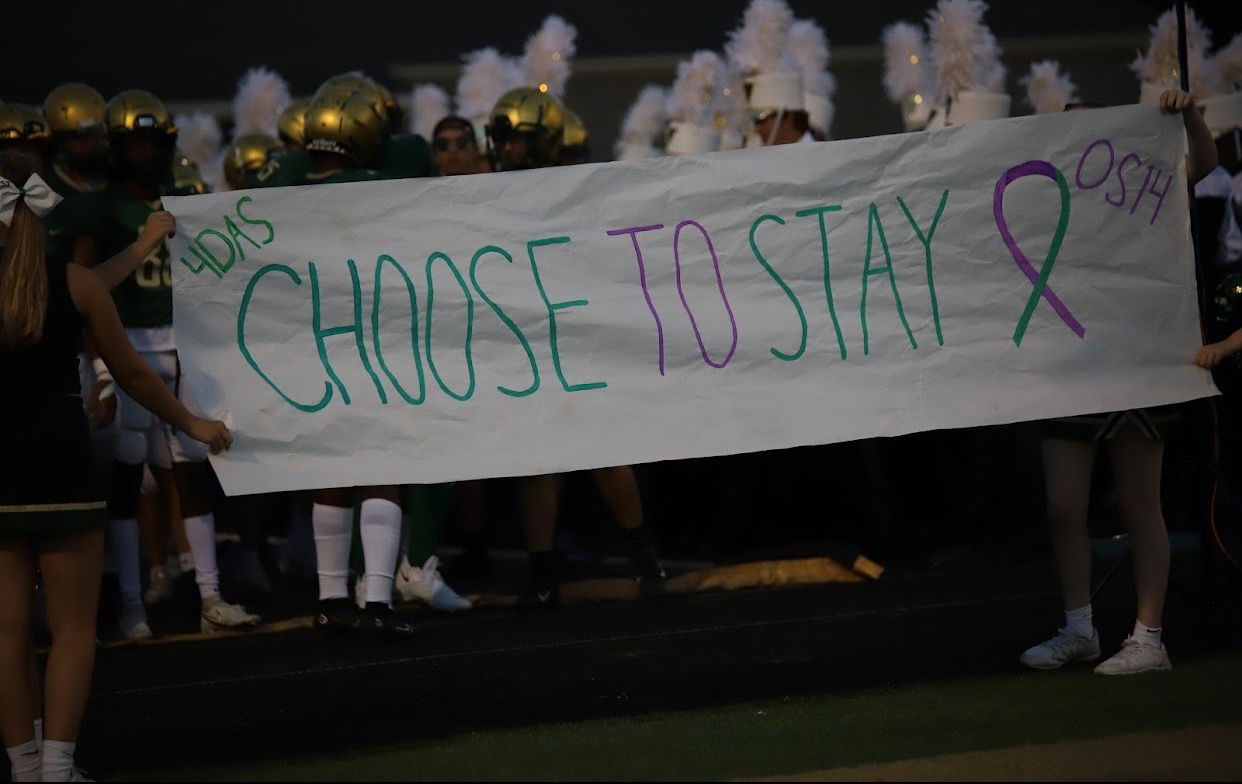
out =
column 288, row 168
column 115, row 219
column 58, row 181
column 64, row 221
column 406, row 155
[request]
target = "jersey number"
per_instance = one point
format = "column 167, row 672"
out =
column 155, row 272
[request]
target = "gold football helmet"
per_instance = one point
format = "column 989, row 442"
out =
column 355, row 81
column 392, row 110
column 186, row 178
column 345, row 123
column 532, row 115
column 75, row 108
column 247, row 155
column 138, row 110
column 575, row 146
column 19, row 123
column 291, row 127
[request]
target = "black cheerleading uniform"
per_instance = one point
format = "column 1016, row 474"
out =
column 48, row 480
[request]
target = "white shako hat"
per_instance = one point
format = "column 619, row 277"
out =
column 973, row 106
column 965, row 59
column 692, row 102
column 758, row 48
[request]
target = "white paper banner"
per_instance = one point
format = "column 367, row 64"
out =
column 535, row 322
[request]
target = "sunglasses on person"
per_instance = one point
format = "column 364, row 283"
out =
column 444, row 144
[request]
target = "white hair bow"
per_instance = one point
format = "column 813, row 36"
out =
column 39, row 197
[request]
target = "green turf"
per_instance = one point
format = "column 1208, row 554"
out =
column 796, row 735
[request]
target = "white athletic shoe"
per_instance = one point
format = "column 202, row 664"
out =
column 1135, row 657
column 427, row 586
column 1062, row 649
column 160, row 588
column 219, row 614
column 133, row 623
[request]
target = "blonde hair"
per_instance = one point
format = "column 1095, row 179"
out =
column 23, row 268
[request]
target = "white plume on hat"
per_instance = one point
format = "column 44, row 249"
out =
column 549, row 54
column 1227, row 64
column 485, row 77
column 964, row 53
column 759, row 44
column 905, row 61
column 731, row 111
column 808, row 46
column 199, row 137
column 644, row 122
column 262, row 94
column 693, row 95
column 429, row 104
column 1047, row 88
column 1159, row 65
column 1221, row 101
column 691, row 104
column 213, row 173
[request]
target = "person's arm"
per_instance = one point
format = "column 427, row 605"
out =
column 1203, row 157
column 1213, row 354
column 86, row 250
column 130, row 371
column 116, row 269
column 100, row 407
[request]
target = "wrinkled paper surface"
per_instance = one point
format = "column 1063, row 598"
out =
column 653, row 364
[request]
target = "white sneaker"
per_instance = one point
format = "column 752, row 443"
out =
column 219, row 614
column 133, row 623
column 1062, row 649
column 160, row 588
column 427, row 586
column 1135, row 657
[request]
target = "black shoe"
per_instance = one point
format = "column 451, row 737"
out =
column 649, row 573
column 545, row 581
column 382, row 620
column 337, row 615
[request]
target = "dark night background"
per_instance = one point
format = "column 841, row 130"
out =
column 195, row 52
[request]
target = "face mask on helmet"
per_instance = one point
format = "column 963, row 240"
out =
column 512, row 149
column 85, row 154
column 145, row 158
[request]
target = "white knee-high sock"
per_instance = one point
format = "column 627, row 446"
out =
column 26, row 762
column 58, row 760
column 123, row 534
column 381, row 546
column 200, row 530
column 331, row 525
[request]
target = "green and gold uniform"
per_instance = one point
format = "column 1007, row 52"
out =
column 406, row 155
column 288, row 168
column 144, row 299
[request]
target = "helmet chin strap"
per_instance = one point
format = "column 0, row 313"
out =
column 776, row 127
